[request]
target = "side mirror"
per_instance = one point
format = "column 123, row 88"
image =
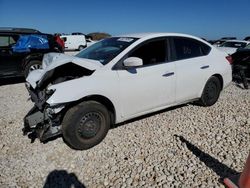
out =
column 133, row 62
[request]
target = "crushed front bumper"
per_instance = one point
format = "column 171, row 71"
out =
column 41, row 125
column 43, row 121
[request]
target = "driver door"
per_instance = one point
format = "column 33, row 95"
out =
column 151, row 86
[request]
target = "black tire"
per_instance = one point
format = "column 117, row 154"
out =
column 211, row 92
column 32, row 65
column 85, row 125
column 81, row 48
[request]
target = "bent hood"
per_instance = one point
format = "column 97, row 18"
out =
column 53, row 60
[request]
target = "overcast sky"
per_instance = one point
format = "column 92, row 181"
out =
column 210, row 19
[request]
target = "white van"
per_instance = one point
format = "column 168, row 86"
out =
column 74, row 42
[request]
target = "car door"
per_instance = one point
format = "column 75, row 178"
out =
column 10, row 63
column 192, row 67
column 148, row 87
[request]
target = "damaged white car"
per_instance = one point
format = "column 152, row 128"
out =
column 118, row 79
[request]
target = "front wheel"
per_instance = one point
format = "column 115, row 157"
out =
column 85, row 125
column 32, row 65
column 211, row 92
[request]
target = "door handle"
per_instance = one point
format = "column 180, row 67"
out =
column 168, row 74
column 205, row 67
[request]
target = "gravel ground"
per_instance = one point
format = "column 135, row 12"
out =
column 188, row 146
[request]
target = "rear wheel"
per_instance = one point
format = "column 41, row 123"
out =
column 80, row 48
column 85, row 125
column 211, row 92
column 32, row 65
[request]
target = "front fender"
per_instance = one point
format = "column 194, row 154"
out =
column 74, row 90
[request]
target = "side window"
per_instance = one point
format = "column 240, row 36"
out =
column 152, row 52
column 188, row 48
column 64, row 39
column 6, row 41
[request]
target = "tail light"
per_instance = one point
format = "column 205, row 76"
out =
column 229, row 59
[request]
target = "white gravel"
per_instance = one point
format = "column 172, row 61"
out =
column 189, row 146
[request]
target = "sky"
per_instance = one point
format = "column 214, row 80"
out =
column 211, row 19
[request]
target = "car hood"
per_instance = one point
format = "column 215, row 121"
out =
column 53, row 60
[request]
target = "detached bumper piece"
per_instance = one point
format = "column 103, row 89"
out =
column 37, row 96
column 40, row 125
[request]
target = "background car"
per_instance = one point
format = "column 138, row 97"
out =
column 74, row 42
column 77, row 33
column 222, row 40
column 241, row 62
column 120, row 78
column 228, row 38
column 231, row 46
column 247, row 38
column 22, row 50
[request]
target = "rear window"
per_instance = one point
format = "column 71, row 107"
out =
column 186, row 48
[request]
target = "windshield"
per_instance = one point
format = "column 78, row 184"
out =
column 105, row 50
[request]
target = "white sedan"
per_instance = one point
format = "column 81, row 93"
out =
column 120, row 78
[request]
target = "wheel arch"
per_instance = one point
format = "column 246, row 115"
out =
column 220, row 78
column 30, row 57
column 104, row 101
column 215, row 75
column 83, row 46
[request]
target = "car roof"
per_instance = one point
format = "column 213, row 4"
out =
column 17, row 30
column 243, row 41
column 72, row 36
column 152, row 35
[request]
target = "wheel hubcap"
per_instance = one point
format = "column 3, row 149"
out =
column 211, row 91
column 35, row 67
column 89, row 125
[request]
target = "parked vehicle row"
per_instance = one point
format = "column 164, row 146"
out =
column 222, row 40
column 120, row 78
column 231, row 46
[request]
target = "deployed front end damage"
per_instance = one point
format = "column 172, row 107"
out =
column 43, row 124
column 43, row 121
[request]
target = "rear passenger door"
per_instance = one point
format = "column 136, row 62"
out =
column 192, row 67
